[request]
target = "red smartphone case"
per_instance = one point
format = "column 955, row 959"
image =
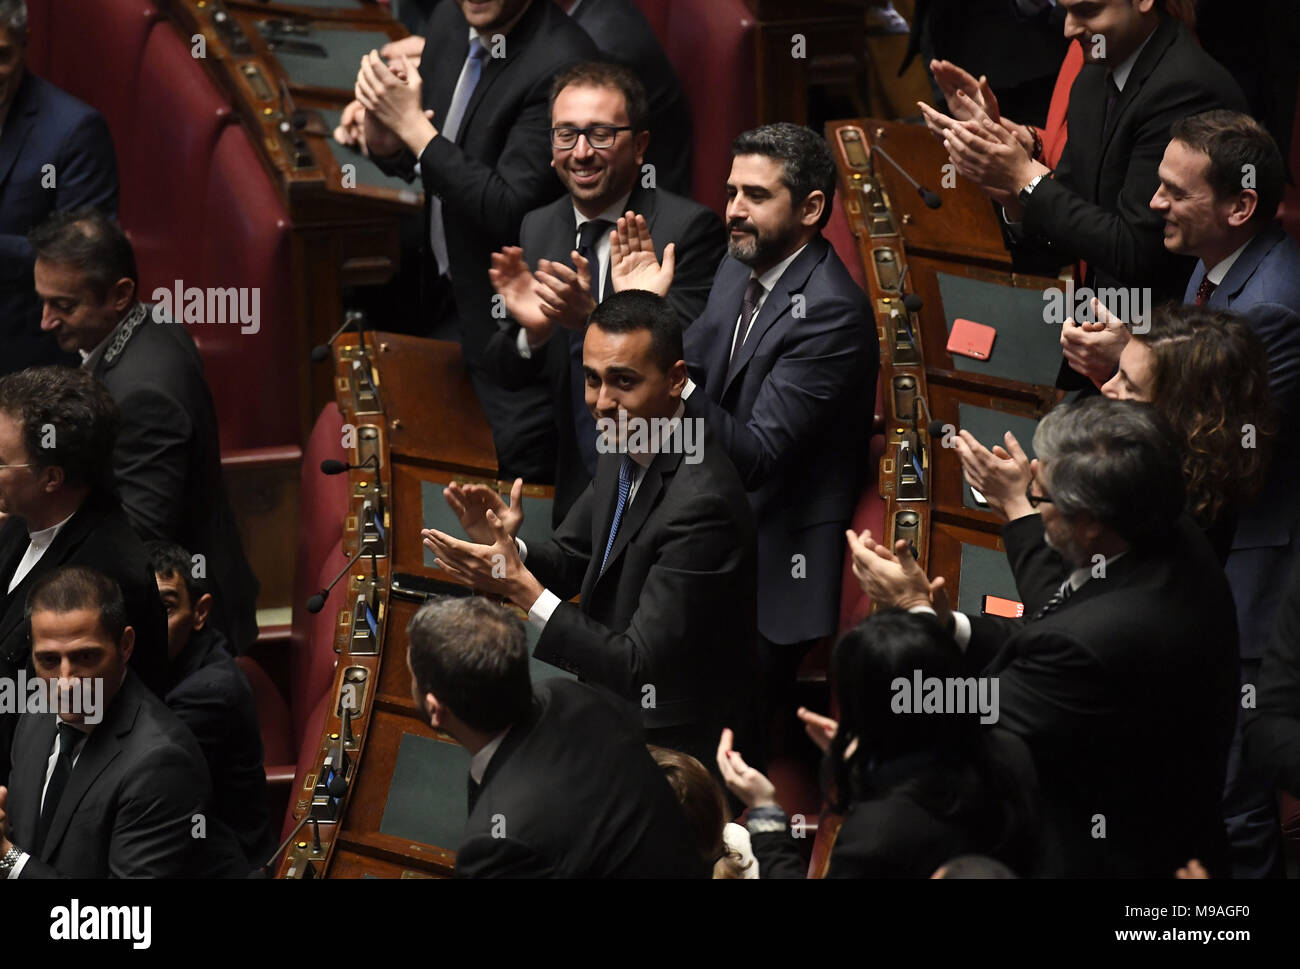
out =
column 971, row 339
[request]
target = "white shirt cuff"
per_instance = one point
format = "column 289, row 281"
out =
column 540, row 613
column 523, row 549
column 688, row 389
column 17, row 869
column 521, row 344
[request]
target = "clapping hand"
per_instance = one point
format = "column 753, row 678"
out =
column 1093, row 349
column 513, row 280
column 1001, row 475
column 565, row 292
column 895, row 579
column 472, row 502
column 632, row 260
column 751, row 786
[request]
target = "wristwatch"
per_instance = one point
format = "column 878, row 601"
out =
column 10, row 859
column 1028, row 190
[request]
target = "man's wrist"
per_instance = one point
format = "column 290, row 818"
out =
column 525, row 590
column 417, row 135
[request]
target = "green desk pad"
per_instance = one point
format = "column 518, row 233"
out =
column 339, row 70
column 1026, row 348
column 987, row 426
column 984, row 572
column 436, row 513
column 368, row 173
column 427, row 797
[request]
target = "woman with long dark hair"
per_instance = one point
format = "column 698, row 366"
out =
column 918, row 778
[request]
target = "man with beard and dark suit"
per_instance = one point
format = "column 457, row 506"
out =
column 57, row 428
column 660, row 546
column 549, row 305
column 115, row 791
column 560, row 782
column 471, row 124
column 55, row 153
column 785, row 357
column 1122, row 679
column 1143, row 71
column 167, row 461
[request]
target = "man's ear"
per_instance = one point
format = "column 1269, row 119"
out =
column 677, row 377
column 202, row 610
column 436, row 711
column 1243, row 208
column 126, row 645
column 810, row 211
column 640, row 144
column 122, row 295
column 54, row 478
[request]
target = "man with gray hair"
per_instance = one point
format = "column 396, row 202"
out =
column 561, row 784
column 55, row 152
column 1123, row 678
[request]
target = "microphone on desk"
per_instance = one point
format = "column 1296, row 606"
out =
column 321, row 351
column 317, row 602
column 931, row 199
column 338, row 785
column 335, row 466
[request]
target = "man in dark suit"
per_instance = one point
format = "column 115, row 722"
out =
column 57, row 428
column 660, row 546
column 783, row 363
column 1123, row 679
column 549, row 305
column 209, row 692
column 1143, row 71
column 55, row 152
column 127, row 780
column 1272, row 730
column 484, row 79
column 167, row 461
column 560, row 782
column 1221, row 180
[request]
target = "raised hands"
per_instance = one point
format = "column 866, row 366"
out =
column 632, row 260
column 955, row 81
column 565, row 293
column 895, row 579
column 750, row 785
column 1001, row 475
column 472, row 502
column 393, row 102
column 1093, row 348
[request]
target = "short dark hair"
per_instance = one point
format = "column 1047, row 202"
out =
column 89, row 241
column 636, row 309
column 1234, row 141
column 74, row 587
column 807, row 164
column 69, row 421
column 169, row 559
column 607, row 74
column 472, row 654
column 1116, row 460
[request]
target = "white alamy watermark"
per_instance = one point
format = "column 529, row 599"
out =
column 240, row 306
column 949, row 694
column 652, row 435
column 83, row 698
column 75, row 922
column 1133, row 305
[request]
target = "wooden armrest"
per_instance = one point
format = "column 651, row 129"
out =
column 257, row 457
column 281, row 775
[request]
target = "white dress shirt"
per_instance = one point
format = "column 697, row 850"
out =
column 767, row 281
column 37, row 543
column 1220, row 270
column 479, row 762
column 21, row 863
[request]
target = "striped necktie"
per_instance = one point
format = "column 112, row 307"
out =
column 1055, row 602
column 625, row 472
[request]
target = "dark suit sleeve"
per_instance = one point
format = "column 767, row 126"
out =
column 561, row 563
column 694, row 566
column 483, row 856
column 513, row 371
column 1039, row 570
column 150, row 462
column 1129, row 242
column 777, row 855
column 699, row 250
column 1278, row 327
column 1272, row 731
column 800, row 395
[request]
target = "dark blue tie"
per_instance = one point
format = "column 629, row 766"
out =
column 624, row 489
column 584, row 425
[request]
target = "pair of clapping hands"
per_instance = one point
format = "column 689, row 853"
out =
column 558, row 295
column 751, row 786
column 388, row 101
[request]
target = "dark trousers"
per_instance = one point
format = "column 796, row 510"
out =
column 778, row 670
column 1250, row 808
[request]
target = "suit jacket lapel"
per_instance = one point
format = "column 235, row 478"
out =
column 1244, row 268
column 605, row 499
column 22, row 116
column 1161, row 40
column 717, row 345
column 494, row 67
column 31, row 777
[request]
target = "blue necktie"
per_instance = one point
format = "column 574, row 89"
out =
column 449, row 129
column 583, row 425
column 624, row 489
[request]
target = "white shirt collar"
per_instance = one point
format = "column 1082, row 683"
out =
column 1121, row 72
column 610, row 214
column 1220, row 270
column 479, row 762
column 42, row 539
column 665, row 431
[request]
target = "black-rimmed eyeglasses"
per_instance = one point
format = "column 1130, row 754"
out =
column 1033, row 499
column 598, row 135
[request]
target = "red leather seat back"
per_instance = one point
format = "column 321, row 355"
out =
column 93, row 50
column 272, row 714
column 1289, row 212
column 841, row 238
column 711, row 44
column 322, row 504
column 656, row 12
column 165, row 178
column 308, row 760
column 312, row 662
column 38, row 36
column 855, row 605
column 245, row 245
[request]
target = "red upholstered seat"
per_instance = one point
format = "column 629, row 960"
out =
column 93, row 50
column 312, row 661
column 1289, row 212
column 870, row 513
column 245, row 245
column 656, row 13
column 179, row 114
column 272, row 713
column 841, row 238
column 308, row 751
column 38, row 36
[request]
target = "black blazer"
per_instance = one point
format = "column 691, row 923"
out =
column 1096, row 206
column 208, row 691
column 1127, row 697
column 45, row 126
column 572, row 792
column 669, row 625
column 621, row 32
column 1272, row 730
column 98, row 536
column 549, row 233
column 499, row 167
column 128, row 808
column 794, row 412
column 167, row 462
column 893, row 836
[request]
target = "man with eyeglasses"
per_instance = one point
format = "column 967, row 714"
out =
column 552, row 282
column 1122, row 679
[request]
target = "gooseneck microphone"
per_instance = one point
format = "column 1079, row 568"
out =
column 317, row 602
column 930, row 198
column 335, row 466
column 352, row 318
column 338, row 784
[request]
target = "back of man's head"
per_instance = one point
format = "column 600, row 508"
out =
column 806, row 160
column 1243, row 155
column 1116, row 461
column 472, row 655
column 87, row 240
column 68, row 421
